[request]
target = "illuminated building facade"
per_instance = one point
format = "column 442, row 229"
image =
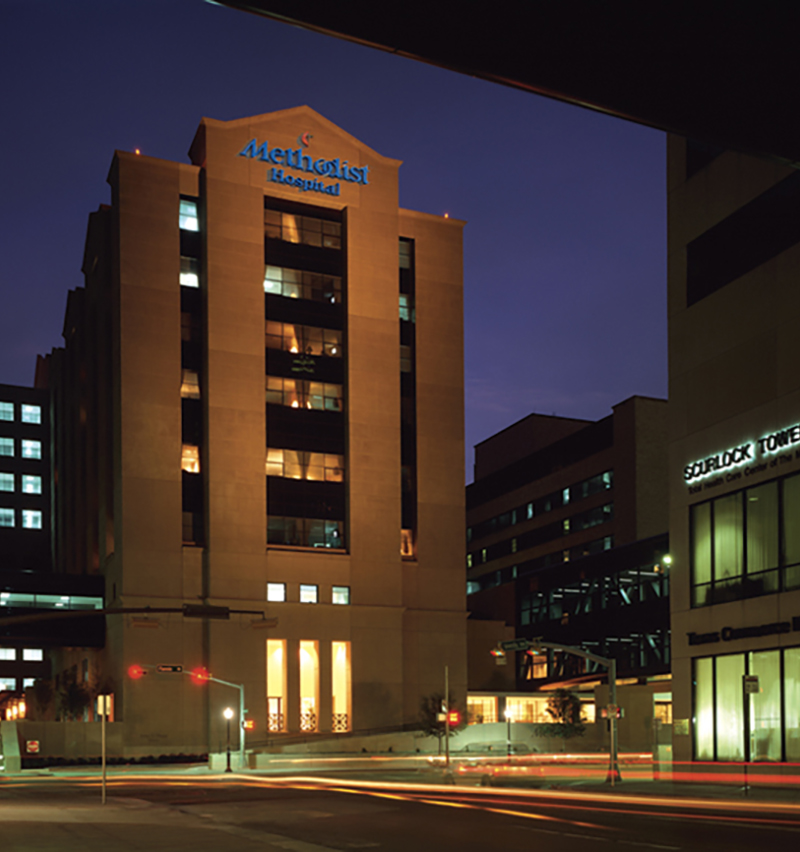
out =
column 734, row 258
column 265, row 372
column 566, row 524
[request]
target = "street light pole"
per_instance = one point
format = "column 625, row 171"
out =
column 228, row 714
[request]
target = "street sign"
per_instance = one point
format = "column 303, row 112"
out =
column 175, row 669
column 750, row 684
column 32, row 746
column 515, row 645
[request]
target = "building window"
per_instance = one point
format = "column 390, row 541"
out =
column 7, row 411
column 299, row 464
column 405, row 359
column 190, row 327
column 187, row 216
column 305, row 532
column 303, row 339
column 297, row 284
column 307, row 230
column 746, row 543
column 6, row 481
column 407, row 312
column 407, row 550
column 6, row 446
column 28, row 682
column 31, row 449
column 309, row 594
column 6, row 517
column 473, row 586
column 30, row 484
column 309, row 685
column 481, row 710
column 190, row 458
column 31, row 414
column 340, row 687
column 190, row 270
column 276, row 592
column 8, row 684
column 32, row 655
column 299, row 393
column 527, row 709
column 721, row 707
column 276, row 684
column 340, row 595
column 190, row 384
column 8, row 653
column 31, row 519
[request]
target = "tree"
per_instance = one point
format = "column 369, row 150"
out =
column 73, row 699
column 430, row 708
column 39, row 699
column 565, row 710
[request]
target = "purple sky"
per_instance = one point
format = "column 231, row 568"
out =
column 565, row 247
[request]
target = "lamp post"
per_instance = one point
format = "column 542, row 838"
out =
column 507, row 714
column 228, row 714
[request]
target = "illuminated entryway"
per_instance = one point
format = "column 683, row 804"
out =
column 340, row 684
column 276, row 684
column 309, row 685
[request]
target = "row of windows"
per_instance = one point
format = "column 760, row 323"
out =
column 298, row 284
column 729, row 725
column 29, row 655
column 28, row 484
column 575, row 523
column 38, row 601
column 28, row 413
column 505, row 575
column 299, row 464
column 307, row 230
column 563, row 497
column 28, row 449
column 305, row 532
column 299, row 393
column 746, row 543
column 9, row 684
column 31, row 518
column 305, row 339
column 276, row 593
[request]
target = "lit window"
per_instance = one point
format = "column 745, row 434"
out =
column 31, row 519
column 513, row 545
column 190, row 271
column 31, row 484
column 299, row 393
column 483, row 555
column 190, row 384
column 565, row 496
column 296, row 284
column 309, row 594
column 6, row 446
column 8, row 684
column 302, row 229
column 31, row 449
column 32, row 655
column 276, row 592
column 190, row 458
column 187, row 217
column 6, row 517
column 405, row 254
column 305, row 532
column 8, row 653
column 529, row 511
column 469, row 560
column 298, row 464
column 340, row 595
column 6, row 410
column 303, row 339
column 31, row 414
column 6, row 481
column 28, row 682
column 407, row 544
column 407, row 312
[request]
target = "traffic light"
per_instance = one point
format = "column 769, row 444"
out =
column 453, row 718
column 200, row 675
column 249, row 724
column 136, row 671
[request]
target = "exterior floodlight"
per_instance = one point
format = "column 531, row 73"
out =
column 667, row 559
column 228, row 713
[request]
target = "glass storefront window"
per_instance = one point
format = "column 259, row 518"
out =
column 765, row 706
column 730, row 710
column 704, row 708
column 791, row 697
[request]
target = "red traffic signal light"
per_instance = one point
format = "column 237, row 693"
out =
column 249, row 724
column 453, row 718
column 200, row 675
column 135, row 672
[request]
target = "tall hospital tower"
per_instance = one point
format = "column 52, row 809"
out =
column 259, row 406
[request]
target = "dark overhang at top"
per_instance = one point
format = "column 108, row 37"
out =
column 722, row 72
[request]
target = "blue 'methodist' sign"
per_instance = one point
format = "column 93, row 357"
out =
column 301, row 162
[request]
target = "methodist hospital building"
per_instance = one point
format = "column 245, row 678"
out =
column 259, row 406
column 734, row 311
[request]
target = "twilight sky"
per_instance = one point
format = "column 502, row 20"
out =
column 565, row 247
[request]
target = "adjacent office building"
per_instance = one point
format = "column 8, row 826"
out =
column 260, row 406
column 734, row 305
